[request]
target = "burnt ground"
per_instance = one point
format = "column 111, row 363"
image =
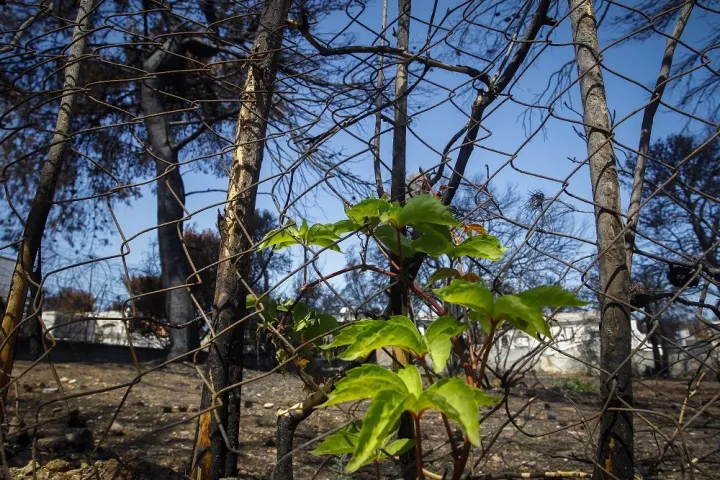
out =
column 153, row 433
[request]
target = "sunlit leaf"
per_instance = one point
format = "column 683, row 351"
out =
column 367, row 210
column 398, row 331
column 433, row 244
column 280, row 238
column 339, row 443
column 483, row 399
column 345, row 226
column 456, row 399
column 363, row 382
column 480, row 246
column 552, row 296
column 398, row 447
column 437, row 338
column 470, row 295
column 426, row 208
column 410, row 375
column 380, row 419
column 514, row 307
column 351, row 333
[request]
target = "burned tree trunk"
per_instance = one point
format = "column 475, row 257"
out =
column 40, row 208
column 174, row 265
column 213, row 457
column 615, row 445
column 398, row 191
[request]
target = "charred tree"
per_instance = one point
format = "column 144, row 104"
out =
column 40, row 209
column 214, row 456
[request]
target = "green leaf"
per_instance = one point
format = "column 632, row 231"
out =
column 483, row 399
column 410, row 375
column 311, row 324
column 552, row 296
column 456, row 399
column 388, row 236
column 437, row 339
column 426, row 208
column 433, row 244
column 351, row 333
column 363, row 382
column 367, row 209
column 514, row 308
column 398, row 331
column 339, row 443
column 480, row 246
column 398, row 447
column 380, row 419
column 392, row 215
column 441, row 273
column 345, row 226
column 484, row 319
column 322, row 235
column 470, row 295
column 266, row 307
column 280, row 238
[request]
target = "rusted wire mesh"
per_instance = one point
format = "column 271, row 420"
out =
column 122, row 311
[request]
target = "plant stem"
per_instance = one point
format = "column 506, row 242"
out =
column 446, row 422
column 418, row 448
column 486, row 351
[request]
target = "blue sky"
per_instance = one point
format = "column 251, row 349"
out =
column 546, row 153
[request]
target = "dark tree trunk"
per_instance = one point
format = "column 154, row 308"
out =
column 399, row 291
column 40, row 209
column 213, row 458
column 615, row 445
column 174, row 264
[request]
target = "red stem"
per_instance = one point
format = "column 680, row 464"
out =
column 418, row 448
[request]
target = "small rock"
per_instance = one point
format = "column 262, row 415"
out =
column 551, row 415
column 268, row 405
column 183, row 408
column 57, row 465
column 50, row 390
column 117, row 428
column 562, row 423
column 258, row 395
column 269, row 442
column 64, row 379
column 70, row 382
column 546, row 406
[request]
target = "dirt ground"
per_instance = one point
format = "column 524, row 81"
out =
column 153, row 432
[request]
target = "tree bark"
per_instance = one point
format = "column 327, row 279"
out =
column 174, row 264
column 213, row 457
column 40, row 208
column 398, row 191
column 615, row 445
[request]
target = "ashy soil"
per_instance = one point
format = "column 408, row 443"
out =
column 103, row 421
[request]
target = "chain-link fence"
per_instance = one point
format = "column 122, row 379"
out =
column 184, row 257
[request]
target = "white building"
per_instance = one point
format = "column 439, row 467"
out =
column 575, row 348
column 101, row 327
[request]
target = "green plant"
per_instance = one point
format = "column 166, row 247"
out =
column 435, row 232
column 575, row 384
